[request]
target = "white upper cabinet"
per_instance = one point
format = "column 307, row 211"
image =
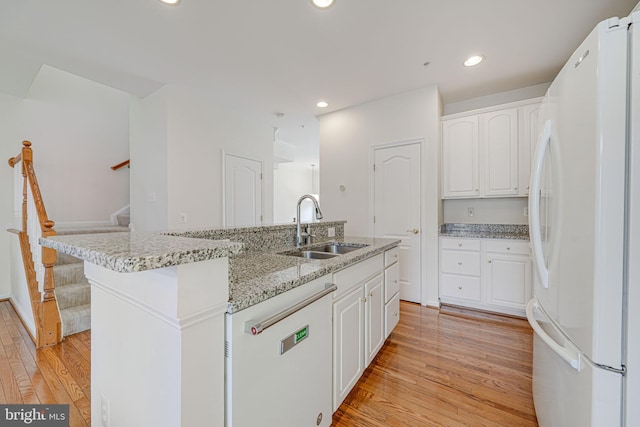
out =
column 528, row 140
column 487, row 153
column 499, row 146
column 460, row 157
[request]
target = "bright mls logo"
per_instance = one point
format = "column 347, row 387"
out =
column 34, row 415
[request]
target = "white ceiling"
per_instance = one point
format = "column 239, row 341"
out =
column 269, row 56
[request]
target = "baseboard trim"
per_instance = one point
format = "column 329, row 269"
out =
column 24, row 324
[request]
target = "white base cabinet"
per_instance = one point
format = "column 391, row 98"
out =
column 366, row 308
column 487, row 274
column 348, row 343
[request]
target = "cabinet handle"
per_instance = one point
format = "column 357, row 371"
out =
column 489, row 261
column 364, row 300
column 527, row 187
column 459, row 262
column 413, row 230
column 515, row 188
column 395, row 256
column 508, row 248
column 371, row 294
column 395, row 281
column 395, row 314
column 459, row 244
column 460, row 287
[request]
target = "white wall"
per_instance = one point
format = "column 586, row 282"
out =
column 507, row 210
column 79, row 129
column 148, row 152
column 346, row 138
column 9, row 147
column 290, row 181
column 193, row 131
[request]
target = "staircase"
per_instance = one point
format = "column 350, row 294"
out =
column 73, row 291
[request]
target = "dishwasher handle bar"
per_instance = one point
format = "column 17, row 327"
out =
column 254, row 328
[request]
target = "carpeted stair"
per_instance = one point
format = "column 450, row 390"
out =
column 73, row 291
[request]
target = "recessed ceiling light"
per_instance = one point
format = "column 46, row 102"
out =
column 322, row 104
column 171, row 2
column 473, row 60
column 323, row 4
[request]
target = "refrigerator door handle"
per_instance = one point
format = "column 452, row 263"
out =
column 568, row 354
column 534, row 205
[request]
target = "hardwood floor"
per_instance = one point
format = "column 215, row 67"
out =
column 58, row 374
column 446, row 369
column 436, row 369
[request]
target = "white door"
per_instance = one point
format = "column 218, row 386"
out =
column 397, row 202
column 242, row 191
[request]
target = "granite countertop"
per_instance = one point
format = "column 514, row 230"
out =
column 258, row 276
column 254, row 276
column 129, row 252
column 486, row 231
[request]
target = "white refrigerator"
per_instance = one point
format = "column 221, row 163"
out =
column 584, row 223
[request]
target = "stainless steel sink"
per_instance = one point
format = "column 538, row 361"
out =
column 310, row 254
column 324, row 251
column 334, row 248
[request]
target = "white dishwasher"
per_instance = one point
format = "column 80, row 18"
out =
column 278, row 360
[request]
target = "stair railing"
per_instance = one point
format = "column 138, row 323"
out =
column 38, row 264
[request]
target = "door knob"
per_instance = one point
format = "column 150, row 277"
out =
column 413, row 230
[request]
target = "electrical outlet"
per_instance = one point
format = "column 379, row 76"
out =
column 331, row 232
column 471, row 211
column 105, row 417
column 525, row 211
column 183, row 218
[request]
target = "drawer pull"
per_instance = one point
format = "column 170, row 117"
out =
column 508, row 248
column 460, row 287
column 489, row 261
column 459, row 262
column 460, row 244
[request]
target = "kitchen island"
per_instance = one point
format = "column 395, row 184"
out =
column 158, row 306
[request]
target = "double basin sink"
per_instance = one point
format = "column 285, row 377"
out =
column 324, row 251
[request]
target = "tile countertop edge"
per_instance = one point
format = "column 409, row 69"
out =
column 262, row 288
column 132, row 252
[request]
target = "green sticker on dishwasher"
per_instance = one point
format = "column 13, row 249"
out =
column 302, row 334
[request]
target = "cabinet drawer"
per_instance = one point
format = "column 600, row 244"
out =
column 461, row 262
column 391, row 281
column 520, row 247
column 356, row 274
column 461, row 244
column 391, row 314
column 391, row 256
column 462, row 287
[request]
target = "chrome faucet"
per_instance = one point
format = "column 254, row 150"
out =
column 307, row 234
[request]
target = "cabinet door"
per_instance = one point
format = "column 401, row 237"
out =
column 499, row 142
column 374, row 317
column 507, row 280
column 527, row 145
column 460, row 158
column 348, row 343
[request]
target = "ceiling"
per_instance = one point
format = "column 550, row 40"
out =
column 281, row 56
